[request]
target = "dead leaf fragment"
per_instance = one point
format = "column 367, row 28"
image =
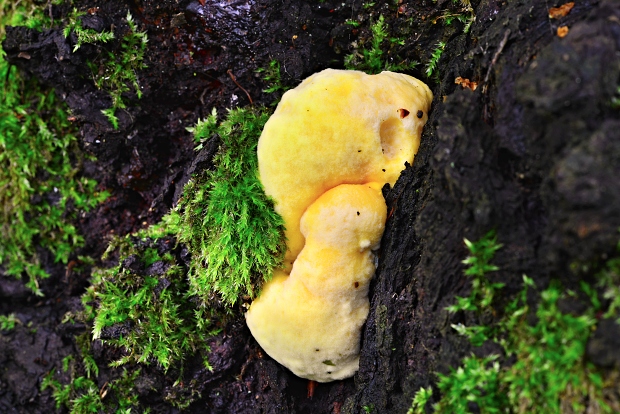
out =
column 562, row 31
column 466, row 83
column 559, row 12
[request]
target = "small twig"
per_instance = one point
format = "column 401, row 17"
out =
column 240, row 87
column 549, row 18
column 502, row 44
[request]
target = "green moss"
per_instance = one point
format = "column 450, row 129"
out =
column 23, row 13
column 225, row 219
column 234, row 239
column 271, row 75
column 431, row 66
column 615, row 100
column 463, row 13
column 7, row 322
column 83, row 395
column 153, row 314
column 41, row 190
column 369, row 408
column 83, row 35
column 548, row 372
column 483, row 291
column 378, row 52
column 116, row 71
column 608, row 280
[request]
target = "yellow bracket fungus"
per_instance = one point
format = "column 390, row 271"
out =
column 324, row 155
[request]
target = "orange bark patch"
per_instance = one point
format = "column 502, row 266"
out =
column 466, row 83
column 559, row 12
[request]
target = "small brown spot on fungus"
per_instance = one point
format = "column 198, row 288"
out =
column 420, row 114
column 403, row 113
column 358, row 213
column 356, row 284
column 359, row 150
column 383, row 169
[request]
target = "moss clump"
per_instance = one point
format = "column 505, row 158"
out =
column 7, row 322
column 175, row 281
column 117, row 70
column 548, row 372
column 74, row 25
column 608, row 279
column 41, row 190
column 224, row 217
column 378, row 52
column 272, row 76
column 82, row 395
column 143, row 305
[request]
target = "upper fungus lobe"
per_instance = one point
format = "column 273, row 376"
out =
column 338, row 127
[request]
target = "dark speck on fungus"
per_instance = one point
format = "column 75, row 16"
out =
column 358, row 213
column 420, row 114
column 383, row 169
column 404, row 113
column 356, row 284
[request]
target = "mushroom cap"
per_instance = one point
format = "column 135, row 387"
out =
column 338, row 127
column 324, row 155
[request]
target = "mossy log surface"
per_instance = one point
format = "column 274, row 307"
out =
column 533, row 153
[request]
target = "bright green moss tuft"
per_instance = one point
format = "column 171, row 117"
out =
column 543, row 367
column 83, row 395
column 41, row 190
column 224, row 217
column 116, row 72
column 84, row 35
column 151, row 304
column 143, row 305
column 377, row 53
column 7, row 322
column 271, row 75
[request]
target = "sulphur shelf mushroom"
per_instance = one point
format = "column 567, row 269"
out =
column 324, row 155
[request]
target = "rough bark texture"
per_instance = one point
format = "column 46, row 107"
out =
column 533, row 153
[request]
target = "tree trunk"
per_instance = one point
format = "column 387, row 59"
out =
column 532, row 153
